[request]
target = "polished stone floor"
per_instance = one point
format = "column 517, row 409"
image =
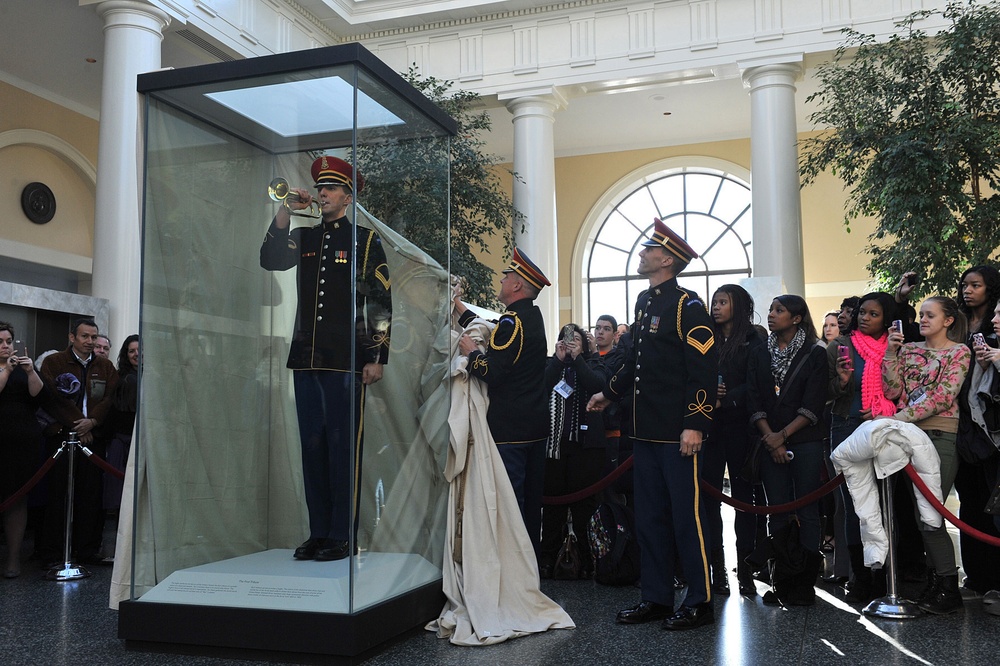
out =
column 43, row 622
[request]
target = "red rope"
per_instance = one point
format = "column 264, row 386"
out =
column 103, row 464
column 943, row 510
column 828, row 487
column 592, row 489
column 32, row 482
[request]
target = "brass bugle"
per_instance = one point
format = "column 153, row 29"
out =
column 279, row 192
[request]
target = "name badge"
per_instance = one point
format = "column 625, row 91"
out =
column 918, row 396
column 564, row 389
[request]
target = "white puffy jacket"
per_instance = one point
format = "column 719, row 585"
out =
column 875, row 450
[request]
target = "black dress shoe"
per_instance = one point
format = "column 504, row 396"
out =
column 333, row 550
column 307, row 551
column 690, row 617
column 646, row 611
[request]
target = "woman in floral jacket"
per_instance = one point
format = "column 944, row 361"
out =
column 924, row 379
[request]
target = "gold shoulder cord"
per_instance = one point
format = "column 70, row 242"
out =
column 517, row 333
column 680, row 306
column 368, row 245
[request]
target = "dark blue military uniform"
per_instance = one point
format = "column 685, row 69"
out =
column 333, row 299
column 671, row 375
column 513, row 368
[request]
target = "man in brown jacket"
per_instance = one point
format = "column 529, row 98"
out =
column 81, row 385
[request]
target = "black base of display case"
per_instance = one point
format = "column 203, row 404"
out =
column 261, row 633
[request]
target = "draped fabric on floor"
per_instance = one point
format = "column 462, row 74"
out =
column 493, row 592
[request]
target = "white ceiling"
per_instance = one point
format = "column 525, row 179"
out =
column 47, row 44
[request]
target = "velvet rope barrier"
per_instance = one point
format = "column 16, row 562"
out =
column 943, row 510
column 103, row 464
column 32, row 482
column 711, row 491
column 592, row 489
column 827, row 487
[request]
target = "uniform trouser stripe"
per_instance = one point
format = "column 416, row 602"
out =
column 698, row 526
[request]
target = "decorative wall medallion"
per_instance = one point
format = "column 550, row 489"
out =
column 38, row 202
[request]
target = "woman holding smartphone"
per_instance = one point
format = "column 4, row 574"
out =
column 20, row 387
column 854, row 363
column 979, row 291
column 786, row 397
column 924, row 379
column 729, row 440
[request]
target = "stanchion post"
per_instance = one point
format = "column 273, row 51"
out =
column 891, row 606
column 68, row 570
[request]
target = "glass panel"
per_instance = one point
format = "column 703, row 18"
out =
column 620, row 232
column 609, row 298
column 701, row 191
column 403, row 497
column 257, row 341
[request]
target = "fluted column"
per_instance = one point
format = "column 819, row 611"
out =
column 133, row 31
column 777, row 208
column 535, row 188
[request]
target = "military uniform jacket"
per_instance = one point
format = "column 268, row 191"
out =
column 672, row 370
column 513, row 368
column 330, row 308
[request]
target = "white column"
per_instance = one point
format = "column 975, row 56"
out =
column 777, row 208
column 535, row 188
column 132, row 34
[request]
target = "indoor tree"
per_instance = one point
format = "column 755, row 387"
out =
column 913, row 133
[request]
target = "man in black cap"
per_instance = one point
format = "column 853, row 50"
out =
column 339, row 305
column 513, row 367
column 671, row 375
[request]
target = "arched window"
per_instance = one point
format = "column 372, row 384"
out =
column 709, row 208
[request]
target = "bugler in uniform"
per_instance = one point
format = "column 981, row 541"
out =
column 339, row 303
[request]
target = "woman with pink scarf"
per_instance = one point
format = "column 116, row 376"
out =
column 855, row 370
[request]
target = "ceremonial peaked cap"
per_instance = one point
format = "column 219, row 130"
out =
column 329, row 170
column 527, row 269
column 674, row 244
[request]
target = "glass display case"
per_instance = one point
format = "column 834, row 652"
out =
column 294, row 379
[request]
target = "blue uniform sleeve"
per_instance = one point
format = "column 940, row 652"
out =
column 701, row 364
column 505, row 346
column 280, row 250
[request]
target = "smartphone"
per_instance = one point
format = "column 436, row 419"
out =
column 978, row 339
column 567, row 334
column 844, row 352
column 720, row 379
column 897, row 325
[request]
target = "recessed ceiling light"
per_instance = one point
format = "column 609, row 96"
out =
column 91, row 60
column 657, row 98
column 666, row 113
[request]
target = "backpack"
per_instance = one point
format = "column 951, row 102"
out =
column 611, row 534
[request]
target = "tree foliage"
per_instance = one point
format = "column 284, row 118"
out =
column 915, row 137
column 405, row 189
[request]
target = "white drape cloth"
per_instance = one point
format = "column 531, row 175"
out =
column 878, row 449
column 493, row 594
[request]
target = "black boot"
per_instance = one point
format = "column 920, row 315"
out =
column 803, row 593
column 928, row 592
column 860, row 589
column 744, row 574
column 720, row 579
column 945, row 598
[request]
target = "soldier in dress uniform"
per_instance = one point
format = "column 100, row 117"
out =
column 513, row 368
column 671, row 374
column 337, row 300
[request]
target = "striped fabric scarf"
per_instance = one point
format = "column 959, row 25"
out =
column 558, row 406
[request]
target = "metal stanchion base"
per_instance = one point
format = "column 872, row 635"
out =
column 67, row 571
column 893, row 608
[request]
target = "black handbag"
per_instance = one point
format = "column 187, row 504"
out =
column 568, row 564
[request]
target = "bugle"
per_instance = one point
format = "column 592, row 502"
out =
column 279, row 192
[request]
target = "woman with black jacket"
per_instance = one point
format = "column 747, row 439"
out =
column 729, row 439
column 575, row 451
column 787, row 394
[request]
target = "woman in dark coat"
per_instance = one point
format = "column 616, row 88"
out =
column 786, row 399
column 20, row 434
column 729, row 440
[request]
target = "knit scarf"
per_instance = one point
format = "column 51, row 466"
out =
column 557, row 416
column 781, row 359
column 872, row 350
